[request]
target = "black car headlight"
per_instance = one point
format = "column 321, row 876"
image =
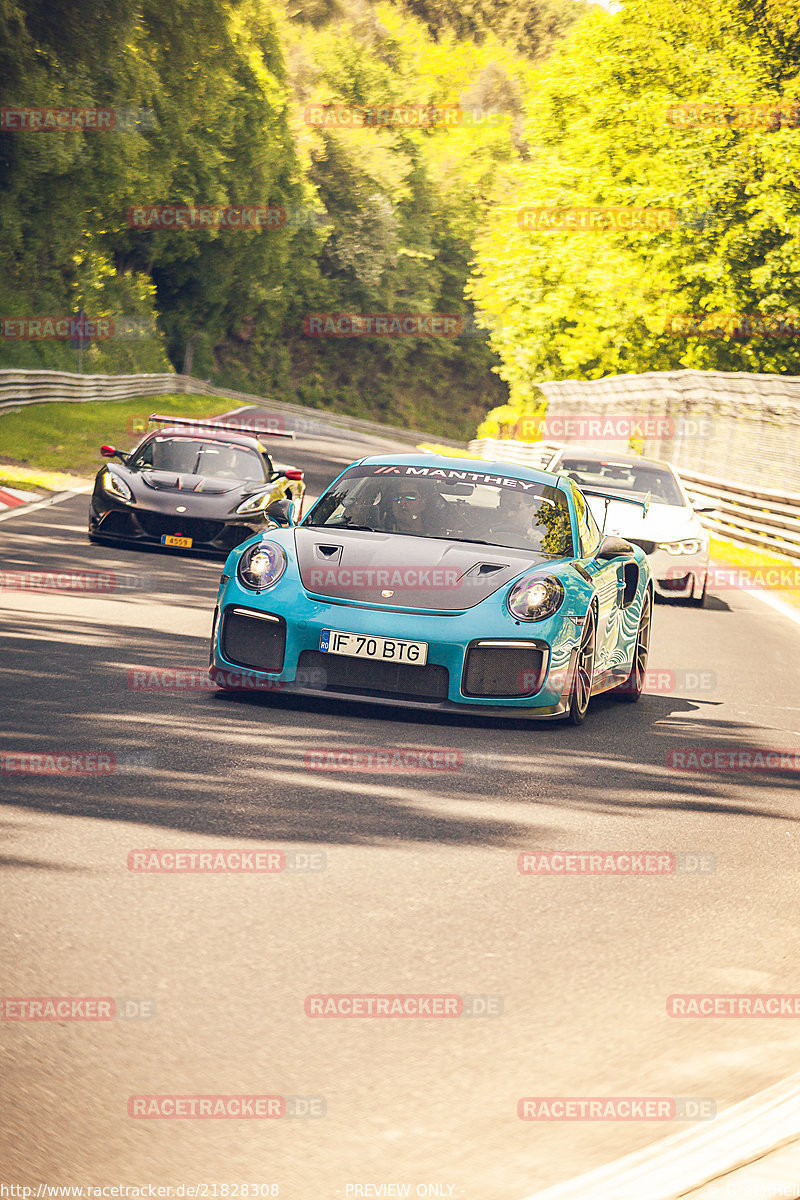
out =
column 115, row 486
column 254, row 504
column 261, row 565
column 535, row 598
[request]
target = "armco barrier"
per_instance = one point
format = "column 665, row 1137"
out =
column 744, row 426
column 768, row 406
column 761, row 517
column 19, row 388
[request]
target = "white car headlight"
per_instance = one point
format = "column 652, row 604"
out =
column 255, row 503
column 535, row 598
column 261, row 565
column 689, row 546
column 115, row 486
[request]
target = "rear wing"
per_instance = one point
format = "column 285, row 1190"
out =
column 613, row 498
column 199, row 424
column 644, row 505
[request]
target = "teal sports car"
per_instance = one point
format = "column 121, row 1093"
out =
column 437, row 583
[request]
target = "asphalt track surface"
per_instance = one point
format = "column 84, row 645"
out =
column 420, row 893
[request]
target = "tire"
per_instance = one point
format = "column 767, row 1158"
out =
column 632, row 688
column 699, row 601
column 582, row 680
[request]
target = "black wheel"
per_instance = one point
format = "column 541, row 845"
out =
column 699, row 601
column 632, row 688
column 584, row 673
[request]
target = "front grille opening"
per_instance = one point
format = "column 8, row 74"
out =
column 250, row 641
column 363, row 677
column 156, row 525
column 115, row 523
column 503, row 671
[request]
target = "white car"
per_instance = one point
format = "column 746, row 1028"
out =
column 671, row 535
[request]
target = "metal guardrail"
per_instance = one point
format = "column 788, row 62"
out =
column 19, row 388
column 524, row 454
column 761, row 517
column 731, row 421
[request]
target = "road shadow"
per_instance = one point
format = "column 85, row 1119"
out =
column 192, row 759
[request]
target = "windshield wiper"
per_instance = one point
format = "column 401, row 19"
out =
column 477, row 542
column 329, row 525
column 497, row 545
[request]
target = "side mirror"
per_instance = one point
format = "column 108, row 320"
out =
column 280, row 511
column 293, row 473
column 108, row 452
column 703, row 505
column 614, row 547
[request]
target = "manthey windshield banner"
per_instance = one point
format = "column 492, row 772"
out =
column 451, row 475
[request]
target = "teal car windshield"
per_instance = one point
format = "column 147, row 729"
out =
column 468, row 506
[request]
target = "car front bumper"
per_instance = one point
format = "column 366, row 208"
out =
column 295, row 663
column 679, row 576
column 136, row 526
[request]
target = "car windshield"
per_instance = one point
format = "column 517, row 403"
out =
column 611, row 476
column 469, row 506
column 194, row 456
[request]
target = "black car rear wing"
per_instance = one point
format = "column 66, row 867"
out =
column 217, row 425
column 613, row 497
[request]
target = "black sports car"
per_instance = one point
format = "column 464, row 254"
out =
column 196, row 486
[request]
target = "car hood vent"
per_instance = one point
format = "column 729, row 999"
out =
column 329, row 554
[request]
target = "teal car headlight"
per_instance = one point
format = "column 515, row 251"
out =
column 115, row 486
column 535, row 598
column 255, row 503
column 261, row 566
column 689, row 546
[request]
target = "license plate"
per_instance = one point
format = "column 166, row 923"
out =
column 356, row 645
column 168, row 540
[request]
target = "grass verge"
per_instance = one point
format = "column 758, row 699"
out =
column 67, row 437
column 760, row 568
